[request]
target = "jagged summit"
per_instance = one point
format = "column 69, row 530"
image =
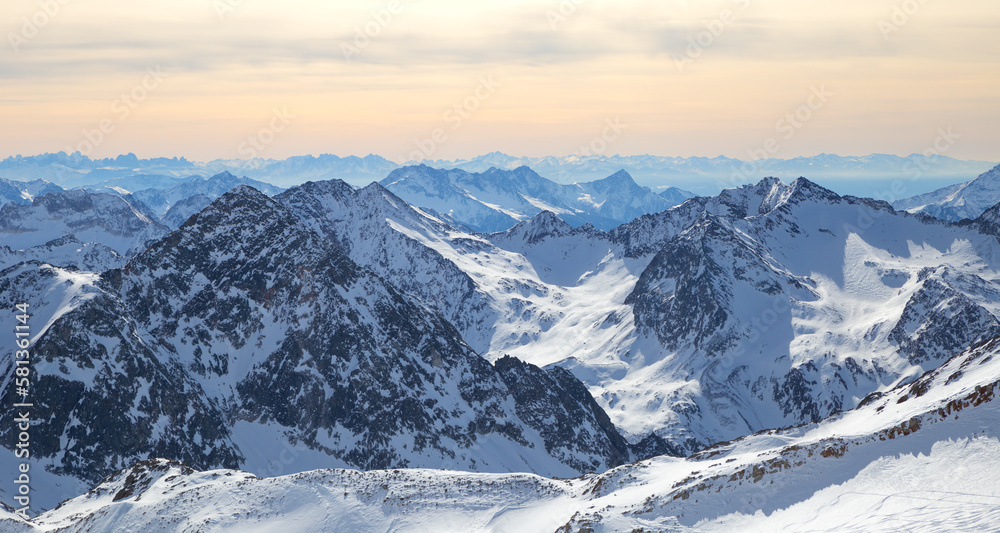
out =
column 806, row 188
column 244, row 200
column 335, row 187
column 768, row 194
column 537, row 228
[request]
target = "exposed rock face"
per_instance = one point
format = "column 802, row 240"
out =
column 245, row 323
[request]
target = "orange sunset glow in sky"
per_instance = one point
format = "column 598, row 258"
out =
column 684, row 78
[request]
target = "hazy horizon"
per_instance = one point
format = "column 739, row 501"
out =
column 906, row 180
column 479, row 155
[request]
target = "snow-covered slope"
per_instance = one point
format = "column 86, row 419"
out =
column 921, row 457
column 783, row 304
column 137, row 182
column 182, row 210
column 502, row 301
column 65, row 252
column 956, row 202
column 246, row 339
column 495, row 200
column 507, row 293
column 101, row 218
column 21, row 192
column 434, row 190
column 767, row 305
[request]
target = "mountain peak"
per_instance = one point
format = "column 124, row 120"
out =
column 676, row 196
column 129, row 159
column 519, row 172
column 621, row 176
column 241, row 201
column 244, row 190
column 224, row 175
column 335, row 187
column 803, row 188
column 770, row 193
column 549, row 221
column 619, row 181
column 538, row 227
column 375, row 189
column 410, row 171
column 957, row 202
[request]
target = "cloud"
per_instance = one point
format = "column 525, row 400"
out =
column 511, row 33
column 600, row 59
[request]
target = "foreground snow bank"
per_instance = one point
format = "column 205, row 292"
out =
column 954, row 488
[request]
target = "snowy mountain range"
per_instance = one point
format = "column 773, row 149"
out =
column 704, row 176
column 957, row 202
column 757, row 277
column 185, row 198
column 486, row 323
column 496, row 200
column 245, row 333
column 113, row 221
column 23, row 192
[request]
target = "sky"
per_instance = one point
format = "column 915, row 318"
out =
column 437, row 79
